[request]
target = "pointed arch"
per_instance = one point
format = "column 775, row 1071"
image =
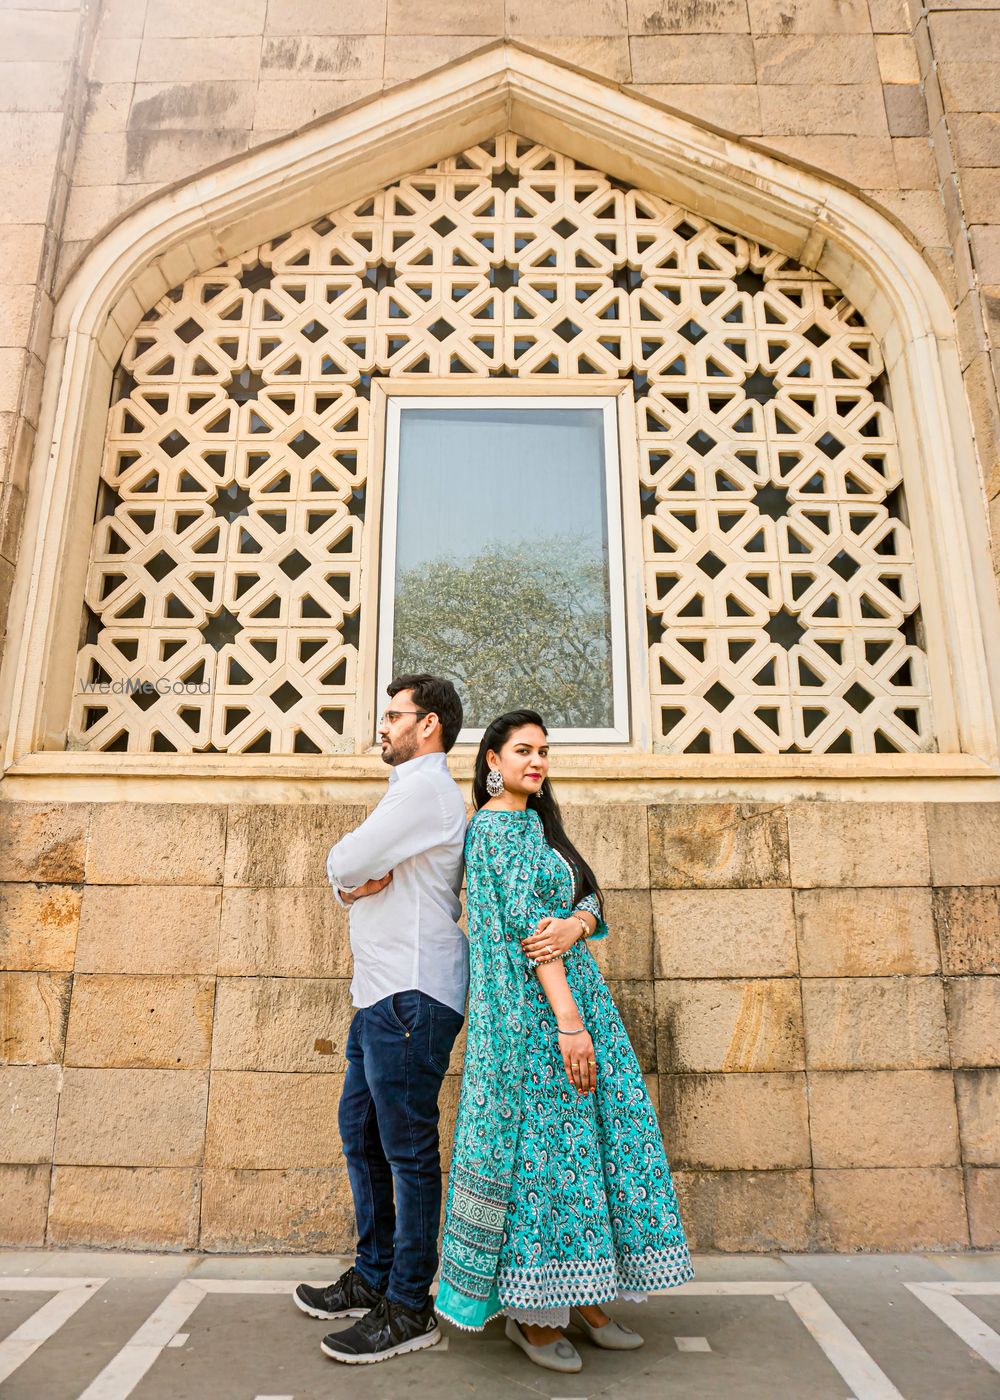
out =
column 213, row 216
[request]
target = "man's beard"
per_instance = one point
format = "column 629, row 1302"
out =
column 400, row 752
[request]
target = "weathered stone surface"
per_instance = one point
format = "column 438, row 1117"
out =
column 809, row 17
column 635, row 1004
column 964, row 37
column 351, row 56
column 38, row 927
column 746, row 1211
column 627, row 951
column 798, row 58
column 970, row 87
column 981, row 191
column 974, row 1020
column 982, row 1195
column 193, row 60
column 481, row 17
column 26, row 33
column 140, row 1022
column 165, row 156
column 723, row 933
column 526, row 18
column 693, row 58
column 717, row 844
column 305, row 1211
column 271, row 844
column 43, row 841
column 856, row 109
column 883, row 1118
column 875, row 1023
column 891, row 1209
column 260, row 1121
column 612, row 838
column 149, row 928
column 156, row 843
column 607, row 55
column 968, row 921
column 324, row 17
column 919, row 211
column 976, row 137
column 30, row 1096
column 275, row 1023
column 733, row 106
column 188, row 18
column 735, row 1122
column 134, row 1208
column 33, row 1011
column 905, row 109
column 964, row 840
column 915, row 168
column 865, row 161
column 132, row 1117
column 281, row 105
column 283, row 933
column 24, row 1203
column 728, row 1026
column 858, row 843
column 865, row 932
column 221, row 104
column 890, row 16
column 897, row 58
column 687, row 17
column 978, row 1095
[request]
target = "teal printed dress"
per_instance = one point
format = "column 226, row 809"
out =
column 553, row 1198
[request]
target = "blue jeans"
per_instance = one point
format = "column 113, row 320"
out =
column 397, row 1054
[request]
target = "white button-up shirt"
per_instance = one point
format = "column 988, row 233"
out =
column 407, row 935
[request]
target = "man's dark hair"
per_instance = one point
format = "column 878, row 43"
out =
column 438, row 697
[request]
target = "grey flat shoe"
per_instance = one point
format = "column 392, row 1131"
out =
column 613, row 1336
column 554, row 1356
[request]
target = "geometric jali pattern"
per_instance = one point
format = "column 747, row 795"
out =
column 782, row 609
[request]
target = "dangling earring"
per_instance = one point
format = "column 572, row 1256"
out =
column 494, row 783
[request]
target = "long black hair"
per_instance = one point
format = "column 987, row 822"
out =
column 543, row 802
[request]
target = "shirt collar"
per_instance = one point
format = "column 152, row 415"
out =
column 414, row 765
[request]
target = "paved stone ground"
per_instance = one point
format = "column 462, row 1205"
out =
column 100, row 1326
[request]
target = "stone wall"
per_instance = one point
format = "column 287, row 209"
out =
column 813, row 991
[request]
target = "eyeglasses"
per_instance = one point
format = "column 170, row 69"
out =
column 391, row 716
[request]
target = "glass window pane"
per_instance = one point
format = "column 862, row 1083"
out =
column 501, row 560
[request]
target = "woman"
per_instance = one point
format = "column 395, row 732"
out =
column 559, row 1196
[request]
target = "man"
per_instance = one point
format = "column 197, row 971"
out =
column 399, row 873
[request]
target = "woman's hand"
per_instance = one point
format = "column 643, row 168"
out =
column 551, row 937
column 578, row 1057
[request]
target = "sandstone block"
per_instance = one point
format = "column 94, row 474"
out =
column 149, row 929
column 193, row 60
column 875, row 1023
column 323, row 56
column 612, row 838
column 733, row 106
column 21, row 247
column 723, row 933
column 156, row 843
column 30, row 1095
column 635, row 1004
column 883, row 1118
column 865, row 161
column 906, row 110
column 980, row 190
column 974, row 1020
column 260, row 1121
column 967, row 923
column 188, row 18
column 127, row 1207
column 915, row 168
column 283, row 105
column 735, row 1122
column 809, row 17
column 717, row 844
column 858, row 843
column 969, row 87
column 982, row 1195
column 687, row 17
column 43, row 841
column 17, row 305
column 140, row 1022
column 856, row 109
column 865, row 932
column 919, row 211
column 798, row 58
column 692, row 58
column 605, row 54
column 978, row 1095
column 964, row 37
column 728, row 1026
column 24, row 1204
column 115, row 58
column 220, row 104
column 897, row 58
column 26, row 33
column 481, row 17
column 976, row 137
column 741, row 1212
column 964, row 840
column 163, row 156
column 275, row 1023
column 132, row 1117
column 269, row 844
column 627, row 951
column 33, row 1011
column 891, row 1209
column 38, row 927
column 283, row 933
column 324, row 17
column 986, row 252
column 890, row 16
column 303, row 1211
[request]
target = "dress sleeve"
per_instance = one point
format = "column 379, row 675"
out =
column 501, row 865
column 590, row 904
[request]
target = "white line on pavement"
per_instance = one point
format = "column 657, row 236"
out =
column 692, row 1344
column 941, row 1299
column 44, row 1322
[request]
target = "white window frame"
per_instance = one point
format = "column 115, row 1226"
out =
column 619, row 731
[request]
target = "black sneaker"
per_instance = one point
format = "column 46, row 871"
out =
column 350, row 1296
column 390, row 1329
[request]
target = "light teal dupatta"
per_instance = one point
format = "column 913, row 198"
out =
column 502, row 855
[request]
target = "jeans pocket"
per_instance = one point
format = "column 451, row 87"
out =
column 404, row 1007
column 444, row 1029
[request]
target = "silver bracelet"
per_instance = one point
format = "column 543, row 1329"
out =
column 560, row 1031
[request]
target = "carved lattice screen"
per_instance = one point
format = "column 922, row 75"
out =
column 780, row 588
